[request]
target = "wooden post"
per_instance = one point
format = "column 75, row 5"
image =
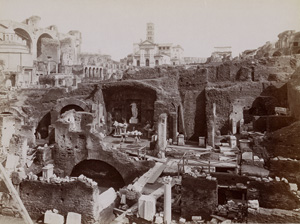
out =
column 15, row 196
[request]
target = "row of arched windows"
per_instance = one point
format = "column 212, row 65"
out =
column 92, row 72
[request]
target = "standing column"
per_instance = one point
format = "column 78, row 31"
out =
column 167, row 200
column 162, row 132
column 174, row 123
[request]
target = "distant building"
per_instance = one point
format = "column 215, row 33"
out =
column 194, row 60
column 288, row 43
column 221, row 53
column 150, row 54
column 100, row 66
column 28, row 51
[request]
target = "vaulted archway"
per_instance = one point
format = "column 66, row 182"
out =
column 101, row 172
column 39, row 43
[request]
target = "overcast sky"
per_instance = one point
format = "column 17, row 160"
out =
column 112, row 26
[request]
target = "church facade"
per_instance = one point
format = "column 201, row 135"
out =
column 150, row 54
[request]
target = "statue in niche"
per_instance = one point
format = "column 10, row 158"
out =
column 134, row 111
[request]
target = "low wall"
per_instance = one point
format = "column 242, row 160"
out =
column 73, row 196
column 199, row 197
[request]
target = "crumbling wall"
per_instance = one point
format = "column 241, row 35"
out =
column 191, row 86
column 275, row 195
column 294, row 94
column 73, row 196
column 50, row 50
column 199, row 197
column 76, row 146
column 67, row 47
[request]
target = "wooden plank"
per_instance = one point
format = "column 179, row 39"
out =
column 143, row 180
column 15, row 196
column 156, row 174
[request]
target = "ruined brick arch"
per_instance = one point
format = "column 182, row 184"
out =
column 277, row 53
column 115, row 172
column 70, row 101
column 15, row 112
column 26, row 35
column 39, row 41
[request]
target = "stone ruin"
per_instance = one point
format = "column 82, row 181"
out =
column 209, row 143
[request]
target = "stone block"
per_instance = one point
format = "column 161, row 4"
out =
column 73, row 218
column 53, row 218
column 180, row 140
column 147, row 207
column 253, row 204
column 293, row 187
column 232, row 141
column 202, row 142
column 247, row 156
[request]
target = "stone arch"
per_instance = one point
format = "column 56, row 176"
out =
column 86, row 72
column 93, row 72
column 39, row 43
column 277, row 54
column 25, row 36
column 119, row 97
column 102, row 172
column 15, row 112
column 70, row 101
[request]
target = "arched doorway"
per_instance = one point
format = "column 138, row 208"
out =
column 138, row 63
column 156, row 62
column 90, row 72
column 101, row 172
column 147, row 62
column 93, row 72
column 71, row 107
column 39, row 43
column 86, row 72
column 43, row 126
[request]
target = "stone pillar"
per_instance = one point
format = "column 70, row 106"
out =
column 233, row 126
column 167, row 200
column 48, row 69
column 241, row 126
column 211, row 128
column 56, row 82
column 162, row 132
column 174, row 123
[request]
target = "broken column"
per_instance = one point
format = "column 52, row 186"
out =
column 47, row 172
column 232, row 141
column 162, row 132
column 168, row 200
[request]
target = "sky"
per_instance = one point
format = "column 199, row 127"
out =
column 112, row 26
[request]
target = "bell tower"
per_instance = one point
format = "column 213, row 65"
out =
column 150, row 32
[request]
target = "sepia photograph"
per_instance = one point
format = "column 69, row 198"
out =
column 149, row 111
